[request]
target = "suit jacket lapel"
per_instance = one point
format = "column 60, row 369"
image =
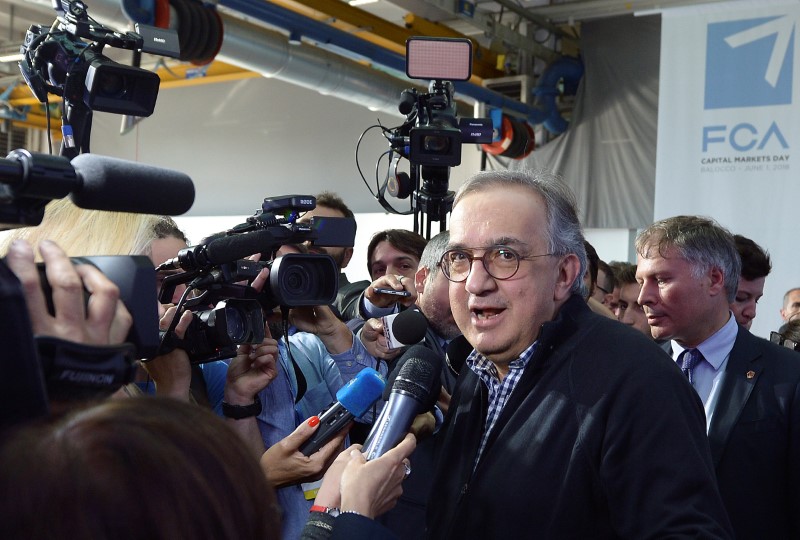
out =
column 743, row 369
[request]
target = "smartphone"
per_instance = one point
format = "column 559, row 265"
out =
column 382, row 290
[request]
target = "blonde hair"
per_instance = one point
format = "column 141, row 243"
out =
column 95, row 232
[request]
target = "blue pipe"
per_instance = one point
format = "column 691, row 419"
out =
column 571, row 70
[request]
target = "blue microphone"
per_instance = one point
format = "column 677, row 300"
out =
column 352, row 401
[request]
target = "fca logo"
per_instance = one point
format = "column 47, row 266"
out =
column 749, row 62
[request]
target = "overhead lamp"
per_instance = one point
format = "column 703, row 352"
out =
column 10, row 53
column 361, row 2
column 11, row 57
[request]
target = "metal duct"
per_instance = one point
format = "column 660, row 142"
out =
column 269, row 53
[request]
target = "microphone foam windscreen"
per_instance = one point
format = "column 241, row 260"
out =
column 418, row 374
column 238, row 246
column 409, row 326
column 358, row 395
column 127, row 186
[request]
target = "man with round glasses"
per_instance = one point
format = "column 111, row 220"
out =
column 564, row 423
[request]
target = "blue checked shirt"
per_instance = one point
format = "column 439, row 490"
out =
column 499, row 391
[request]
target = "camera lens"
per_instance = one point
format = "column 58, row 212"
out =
column 235, row 323
column 111, row 85
column 295, row 280
column 435, row 143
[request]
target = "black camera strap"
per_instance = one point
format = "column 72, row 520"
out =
column 302, row 384
column 78, row 371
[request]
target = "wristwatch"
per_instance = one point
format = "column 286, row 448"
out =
column 331, row 511
column 237, row 412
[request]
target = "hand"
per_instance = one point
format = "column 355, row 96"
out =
column 329, row 493
column 371, row 488
column 253, row 369
column 321, row 320
column 284, row 464
column 423, row 425
column 172, row 372
column 375, row 341
column 391, row 281
column 104, row 320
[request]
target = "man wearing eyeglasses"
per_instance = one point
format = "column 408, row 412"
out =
column 564, row 423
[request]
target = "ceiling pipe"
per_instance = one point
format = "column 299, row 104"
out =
column 328, row 36
column 269, row 53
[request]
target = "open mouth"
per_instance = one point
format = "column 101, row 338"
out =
column 486, row 314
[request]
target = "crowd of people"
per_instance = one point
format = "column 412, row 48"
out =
column 579, row 398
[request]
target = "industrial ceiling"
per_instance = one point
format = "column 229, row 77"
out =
column 363, row 39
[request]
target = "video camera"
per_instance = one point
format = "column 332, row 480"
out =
column 228, row 311
column 57, row 60
column 432, row 134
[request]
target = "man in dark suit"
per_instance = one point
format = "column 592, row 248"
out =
column 563, row 423
column 689, row 270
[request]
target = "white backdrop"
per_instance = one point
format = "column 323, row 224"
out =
column 728, row 127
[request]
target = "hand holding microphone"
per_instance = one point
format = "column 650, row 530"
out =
column 352, row 401
column 383, row 337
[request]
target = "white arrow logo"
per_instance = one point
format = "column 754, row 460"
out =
column 783, row 27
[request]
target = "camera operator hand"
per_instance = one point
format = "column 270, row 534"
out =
column 172, row 372
column 252, row 370
column 321, row 320
column 394, row 282
column 103, row 321
column 284, row 464
column 374, row 340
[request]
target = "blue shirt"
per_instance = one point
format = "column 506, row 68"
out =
column 707, row 375
column 281, row 415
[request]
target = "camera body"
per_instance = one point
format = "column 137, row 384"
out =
column 227, row 310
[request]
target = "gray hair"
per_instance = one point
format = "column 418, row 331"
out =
column 701, row 241
column 432, row 254
column 564, row 234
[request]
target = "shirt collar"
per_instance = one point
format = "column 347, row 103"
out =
column 718, row 346
column 480, row 364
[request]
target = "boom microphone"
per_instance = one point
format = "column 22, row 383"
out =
column 414, row 391
column 352, row 401
column 221, row 250
column 94, row 182
column 126, row 186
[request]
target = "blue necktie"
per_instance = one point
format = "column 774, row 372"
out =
column 687, row 361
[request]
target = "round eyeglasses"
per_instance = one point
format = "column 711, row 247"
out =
column 500, row 262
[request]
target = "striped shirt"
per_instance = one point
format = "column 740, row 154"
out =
column 499, row 391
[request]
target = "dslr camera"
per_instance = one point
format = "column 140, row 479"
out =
column 227, row 310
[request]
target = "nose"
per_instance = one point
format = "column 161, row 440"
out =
column 749, row 310
column 647, row 295
column 478, row 280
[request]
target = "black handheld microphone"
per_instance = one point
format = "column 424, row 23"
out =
column 415, row 389
column 405, row 328
column 352, row 401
